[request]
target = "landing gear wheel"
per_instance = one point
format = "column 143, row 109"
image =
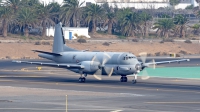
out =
column 134, row 81
column 81, row 79
column 123, row 79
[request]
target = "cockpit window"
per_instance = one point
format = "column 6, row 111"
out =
column 129, row 57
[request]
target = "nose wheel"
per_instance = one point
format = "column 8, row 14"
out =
column 135, row 79
column 123, row 79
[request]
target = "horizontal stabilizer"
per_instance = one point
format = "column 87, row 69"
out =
column 50, row 53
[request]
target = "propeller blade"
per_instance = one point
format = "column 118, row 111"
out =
column 95, row 59
column 98, row 74
column 143, row 56
column 152, row 65
column 144, row 75
column 105, row 59
column 108, row 71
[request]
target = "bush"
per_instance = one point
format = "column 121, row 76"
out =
column 149, row 54
column 194, row 39
column 157, row 53
column 38, row 43
column 168, row 40
column 178, row 55
column 122, row 37
column 81, row 40
column 106, row 44
column 182, row 52
column 164, row 53
column 134, row 40
column 8, row 57
column 45, row 43
column 188, row 41
column 162, row 42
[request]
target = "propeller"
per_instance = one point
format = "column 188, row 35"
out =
column 101, row 66
column 144, row 74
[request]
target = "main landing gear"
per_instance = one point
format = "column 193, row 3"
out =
column 123, row 79
column 82, row 78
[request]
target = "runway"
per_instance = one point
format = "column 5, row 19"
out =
column 23, row 88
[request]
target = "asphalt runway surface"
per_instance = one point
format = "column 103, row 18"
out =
column 24, row 88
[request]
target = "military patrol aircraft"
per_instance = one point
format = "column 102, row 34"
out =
column 93, row 63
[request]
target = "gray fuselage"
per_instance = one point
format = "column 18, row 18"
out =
column 122, row 62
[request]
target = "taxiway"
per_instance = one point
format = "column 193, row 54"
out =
column 24, row 88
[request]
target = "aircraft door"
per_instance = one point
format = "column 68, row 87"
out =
column 70, row 35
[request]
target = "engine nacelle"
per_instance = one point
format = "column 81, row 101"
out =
column 90, row 66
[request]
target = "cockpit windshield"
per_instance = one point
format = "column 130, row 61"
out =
column 129, row 57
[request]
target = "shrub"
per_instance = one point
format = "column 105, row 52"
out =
column 182, row 52
column 45, row 43
column 168, row 40
column 188, row 41
column 8, row 57
column 157, row 53
column 194, row 39
column 106, row 44
column 122, row 37
column 149, row 54
column 178, row 55
column 162, row 42
column 134, row 40
column 164, row 53
column 81, row 40
column 38, row 43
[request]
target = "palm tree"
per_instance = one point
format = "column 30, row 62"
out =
column 56, row 8
column 13, row 4
column 30, row 3
column 93, row 14
column 5, row 15
column 180, row 22
column 163, row 26
column 195, row 28
column 71, row 12
column 198, row 1
column 45, row 16
column 129, row 24
column 145, row 19
column 110, row 18
column 173, row 3
column 26, row 18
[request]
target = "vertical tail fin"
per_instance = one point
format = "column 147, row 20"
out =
column 59, row 40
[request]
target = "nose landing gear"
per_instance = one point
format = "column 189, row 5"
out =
column 135, row 79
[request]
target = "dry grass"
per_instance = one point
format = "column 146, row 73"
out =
column 23, row 50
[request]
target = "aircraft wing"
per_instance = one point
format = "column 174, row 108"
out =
column 165, row 62
column 72, row 66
